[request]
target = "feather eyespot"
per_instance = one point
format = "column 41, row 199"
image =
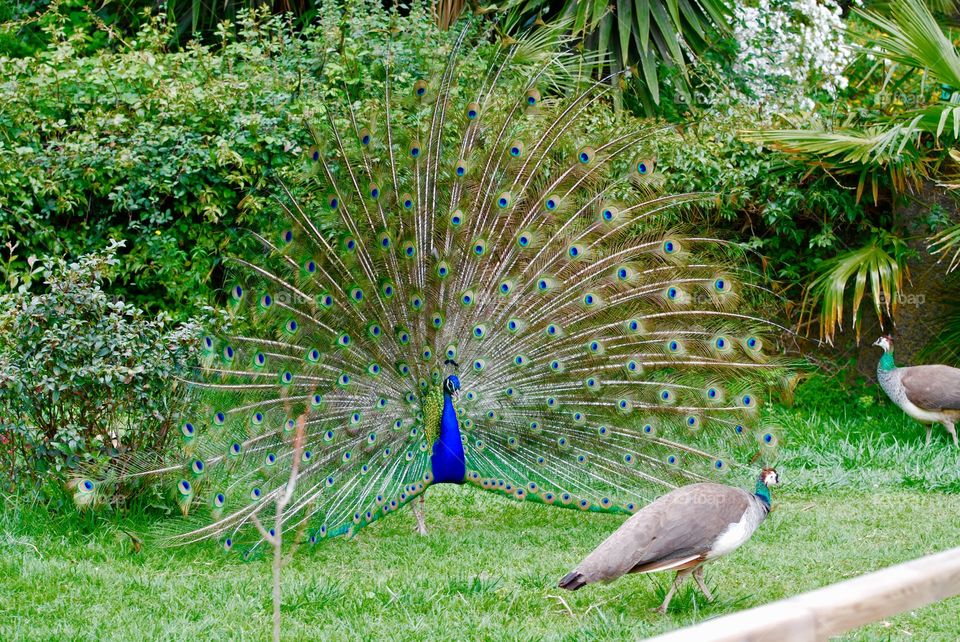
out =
column 644, row 167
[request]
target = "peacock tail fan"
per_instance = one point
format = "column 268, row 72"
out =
column 477, row 228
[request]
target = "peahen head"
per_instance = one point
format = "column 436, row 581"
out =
column 769, row 477
column 451, row 385
column 886, row 361
column 885, row 342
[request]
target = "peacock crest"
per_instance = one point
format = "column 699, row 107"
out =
column 604, row 357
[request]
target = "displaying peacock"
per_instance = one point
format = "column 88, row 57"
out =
column 486, row 294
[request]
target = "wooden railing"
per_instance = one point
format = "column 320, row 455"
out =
column 819, row 614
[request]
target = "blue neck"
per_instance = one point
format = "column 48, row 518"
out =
column 763, row 492
column 886, row 361
column 447, row 460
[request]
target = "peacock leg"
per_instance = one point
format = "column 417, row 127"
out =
column 952, row 430
column 418, row 512
column 677, row 581
column 698, row 576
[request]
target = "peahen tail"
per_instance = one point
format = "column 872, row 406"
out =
column 484, row 230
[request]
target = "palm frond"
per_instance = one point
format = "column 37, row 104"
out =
column 446, row 12
column 909, row 34
column 894, row 148
column 871, row 263
column 945, row 345
column 947, row 243
column 635, row 34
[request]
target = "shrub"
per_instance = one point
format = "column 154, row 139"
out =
column 82, row 373
column 177, row 151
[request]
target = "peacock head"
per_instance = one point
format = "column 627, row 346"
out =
column 770, row 476
column 451, row 385
column 885, row 342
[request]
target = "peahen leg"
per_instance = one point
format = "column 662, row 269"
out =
column 418, row 511
column 952, row 430
column 928, row 427
column 698, row 576
column 677, row 581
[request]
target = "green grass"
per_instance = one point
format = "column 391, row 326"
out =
column 860, row 492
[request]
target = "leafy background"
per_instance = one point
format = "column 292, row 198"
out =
column 139, row 139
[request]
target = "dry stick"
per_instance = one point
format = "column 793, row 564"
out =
column 276, row 540
column 419, row 514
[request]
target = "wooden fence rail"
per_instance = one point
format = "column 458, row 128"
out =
column 819, row 614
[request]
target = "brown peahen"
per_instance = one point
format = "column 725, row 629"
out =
column 488, row 293
column 929, row 394
column 681, row 531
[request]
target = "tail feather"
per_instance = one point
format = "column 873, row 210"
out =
column 605, row 355
column 572, row 581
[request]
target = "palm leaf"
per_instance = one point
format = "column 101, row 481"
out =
column 945, row 346
column 893, row 148
column 871, row 263
column 636, row 33
column 910, row 35
column 947, row 243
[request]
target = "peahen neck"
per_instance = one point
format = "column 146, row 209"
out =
column 763, row 492
column 447, row 460
column 886, row 362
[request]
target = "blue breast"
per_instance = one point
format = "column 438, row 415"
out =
column 447, row 460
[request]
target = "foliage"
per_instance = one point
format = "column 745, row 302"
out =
column 175, row 152
column 82, row 373
column 947, row 242
column 883, row 146
column 873, row 262
column 28, row 26
column 160, row 148
column 945, row 346
column 640, row 36
column 903, row 144
column 780, row 210
column 911, row 36
column 788, row 49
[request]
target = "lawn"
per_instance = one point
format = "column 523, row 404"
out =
column 860, row 492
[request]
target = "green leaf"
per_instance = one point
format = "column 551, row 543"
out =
column 624, row 22
column 643, row 24
column 871, row 263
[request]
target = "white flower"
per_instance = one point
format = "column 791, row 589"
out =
column 788, row 48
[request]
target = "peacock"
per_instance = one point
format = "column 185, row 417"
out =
column 469, row 285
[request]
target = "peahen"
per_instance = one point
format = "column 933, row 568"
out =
column 473, row 286
column 929, row 394
column 680, row 531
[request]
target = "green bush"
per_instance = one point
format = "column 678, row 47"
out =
column 165, row 150
column 82, row 373
column 779, row 210
column 177, row 152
